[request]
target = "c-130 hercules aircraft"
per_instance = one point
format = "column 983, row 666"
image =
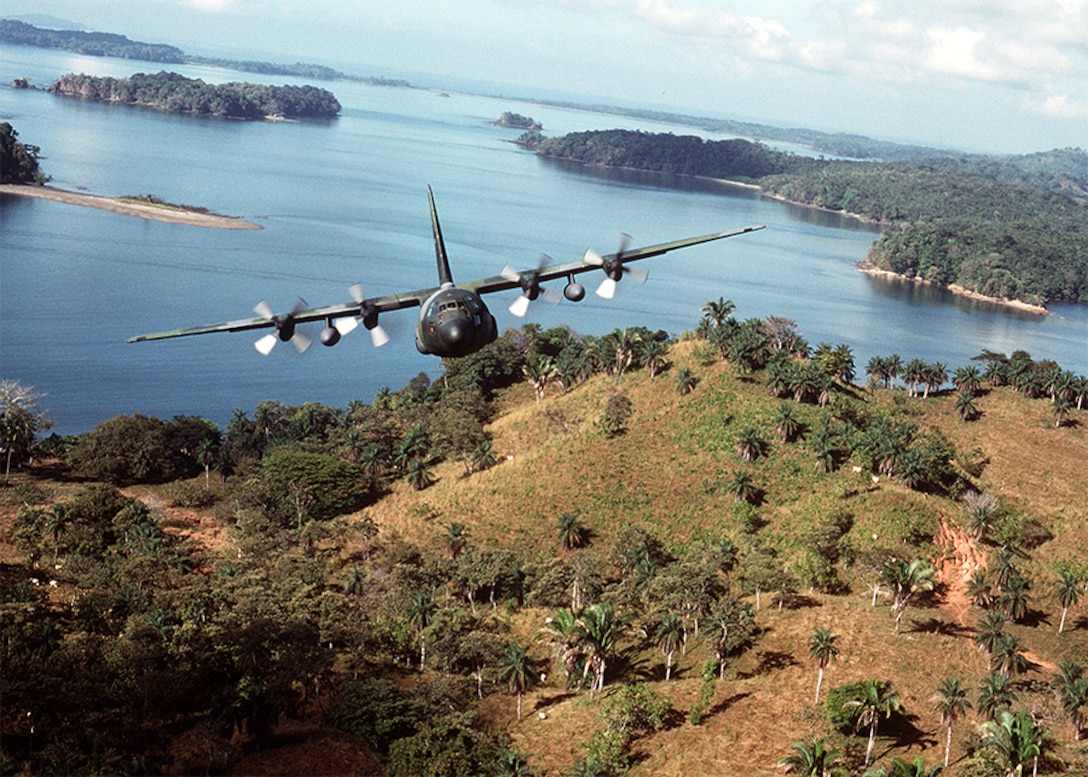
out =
column 453, row 319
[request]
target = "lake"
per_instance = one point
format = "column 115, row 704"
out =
column 345, row 200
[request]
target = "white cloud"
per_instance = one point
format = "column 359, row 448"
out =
column 1059, row 106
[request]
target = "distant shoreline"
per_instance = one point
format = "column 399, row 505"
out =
column 1026, row 307
column 170, row 214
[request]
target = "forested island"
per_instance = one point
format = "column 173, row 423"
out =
column 1012, row 228
column 569, row 555
column 173, row 92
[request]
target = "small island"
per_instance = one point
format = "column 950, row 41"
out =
column 517, row 121
column 175, row 93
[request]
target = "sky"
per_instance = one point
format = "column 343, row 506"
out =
column 996, row 76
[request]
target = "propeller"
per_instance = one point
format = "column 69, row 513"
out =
column 368, row 317
column 530, row 286
column 285, row 328
column 614, row 268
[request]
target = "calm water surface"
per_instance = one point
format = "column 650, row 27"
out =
column 345, row 200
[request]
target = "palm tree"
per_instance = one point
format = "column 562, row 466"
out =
column 539, row 372
column 685, row 381
column 981, row 509
column 654, row 355
column 915, row 768
column 1008, row 656
column 1072, row 689
column 420, row 613
column 517, row 669
column 950, row 703
column 562, row 634
column 716, row 311
column 1068, row 592
column 483, row 456
column 600, row 629
column 786, row 423
column 669, row 636
column 205, row 456
column 967, row 379
column 743, row 487
column 749, row 445
column 965, row 406
column 419, row 474
column 994, row 695
column 877, row 700
column 1014, row 598
column 978, row 589
column 877, row 370
column 572, row 534
column 456, row 538
column 814, row 760
column 822, row 650
column 907, row 578
column 1016, row 738
column 355, row 582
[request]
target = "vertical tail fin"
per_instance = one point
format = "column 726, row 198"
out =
column 444, row 275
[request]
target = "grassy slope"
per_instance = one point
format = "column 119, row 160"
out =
column 668, row 473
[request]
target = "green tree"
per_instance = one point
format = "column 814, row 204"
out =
column 21, row 419
column 743, row 486
column 572, row 534
column 1016, row 738
column 717, row 311
column 1067, row 590
column 1072, row 689
column 669, row 636
column 18, row 161
column 823, row 650
column 419, row 473
column 786, row 423
column 814, row 760
column 907, row 578
column 749, row 445
column 685, row 381
column 517, row 669
column 965, row 406
column 915, row 768
column 600, row 628
column 876, row 699
column 994, row 695
column 420, row 612
column 950, row 702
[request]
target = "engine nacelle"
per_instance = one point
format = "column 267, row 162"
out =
column 575, row 292
column 330, row 336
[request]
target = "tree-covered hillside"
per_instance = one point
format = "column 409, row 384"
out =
column 174, row 92
column 570, row 555
column 1013, row 228
column 95, row 44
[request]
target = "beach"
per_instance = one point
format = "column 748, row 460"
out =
column 1026, row 307
column 172, row 214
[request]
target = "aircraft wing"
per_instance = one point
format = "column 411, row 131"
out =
column 329, row 312
column 566, row 269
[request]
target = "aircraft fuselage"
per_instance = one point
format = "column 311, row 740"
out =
column 454, row 322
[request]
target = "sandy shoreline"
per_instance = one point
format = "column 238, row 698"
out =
column 958, row 290
column 127, row 208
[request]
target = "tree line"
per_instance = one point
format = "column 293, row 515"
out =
column 95, row 44
column 176, row 93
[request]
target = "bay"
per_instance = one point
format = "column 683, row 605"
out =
column 345, row 200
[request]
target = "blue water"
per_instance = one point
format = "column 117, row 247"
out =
column 345, row 200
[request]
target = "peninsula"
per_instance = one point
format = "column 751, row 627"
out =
column 130, row 206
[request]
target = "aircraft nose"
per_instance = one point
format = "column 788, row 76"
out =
column 455, row 333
